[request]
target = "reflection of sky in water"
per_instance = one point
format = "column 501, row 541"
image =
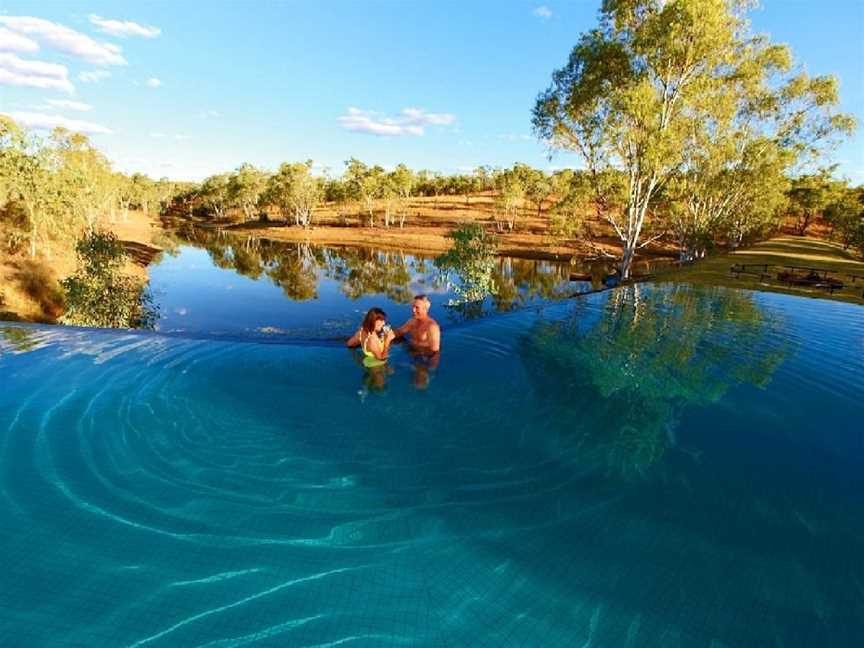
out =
column 195, row 295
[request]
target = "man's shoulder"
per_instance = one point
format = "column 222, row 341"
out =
column 432, row 324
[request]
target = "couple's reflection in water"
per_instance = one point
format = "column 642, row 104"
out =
column 421, row 364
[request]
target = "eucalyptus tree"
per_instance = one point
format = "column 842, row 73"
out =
column 846, row 215
column 403, row 181
column 430, row 183
column 144, row 190
column 749, row 129
column 85, row 176
column 628, row 97
column 732, row 188
column 469, row 265
column 538, row 189
column 810, row 195
column 245, row 187
column 365, row 185
column 389, row 195
column 99, row 294
column 29, row 180
column 295, row 191
column 484, row 178
column 125, row 193
column 571, row 193
column 216, row 195
column 511, row 193
column 463, row 185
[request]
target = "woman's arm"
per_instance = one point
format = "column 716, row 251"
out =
column 378, row 348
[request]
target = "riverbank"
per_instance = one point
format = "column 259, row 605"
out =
column 30, row 288
column 428, row 220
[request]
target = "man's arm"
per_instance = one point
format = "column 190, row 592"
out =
column 402, row 330
column 435, row 338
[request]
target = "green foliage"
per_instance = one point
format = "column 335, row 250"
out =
column 245, row 187
column 472, row 260
column 511, row 184
column 365, row 185
column 99, row 294
column 295, row 191
column 810, row 195
column 53, row 188
column 846, row 215
column 216, row 195
column 680, row 97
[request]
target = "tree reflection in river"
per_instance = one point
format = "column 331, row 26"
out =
column 363, row 271
column 616, row 381
column 297, row 268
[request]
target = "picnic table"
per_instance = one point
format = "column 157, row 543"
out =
column 794, row 275
column 810, row 269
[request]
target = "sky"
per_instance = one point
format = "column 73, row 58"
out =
column 187, row 89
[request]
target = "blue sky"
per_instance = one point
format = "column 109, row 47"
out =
column 195, row 88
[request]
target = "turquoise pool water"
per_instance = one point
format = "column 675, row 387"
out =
column 643, row 467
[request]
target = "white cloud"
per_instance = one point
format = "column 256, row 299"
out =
column 210, row 114
column 153, row 82
column 181, row 138
column 158, row 135
column 124, row 28
column 49, row 122
column 511, row 137
column 543, row 12
column 94, row 76
column 66, row 40
column 13, row 42
column 71, row 105
column 420, row 116
column 16, row 71
column 410, row 121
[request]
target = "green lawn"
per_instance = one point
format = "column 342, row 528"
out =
column 785, row 250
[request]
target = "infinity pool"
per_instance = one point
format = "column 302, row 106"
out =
column 644, row 467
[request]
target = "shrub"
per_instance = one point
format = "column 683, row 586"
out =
column 472, row 260
column 99, row 294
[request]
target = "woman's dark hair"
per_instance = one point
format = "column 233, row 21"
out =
column 373, row 316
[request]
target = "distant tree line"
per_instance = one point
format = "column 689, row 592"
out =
column 378, row 196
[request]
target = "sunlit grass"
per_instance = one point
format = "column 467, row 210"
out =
column 785, row 250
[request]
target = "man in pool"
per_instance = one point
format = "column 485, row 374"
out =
column 422, row 331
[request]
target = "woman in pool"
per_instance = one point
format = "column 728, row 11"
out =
column 373, row 337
